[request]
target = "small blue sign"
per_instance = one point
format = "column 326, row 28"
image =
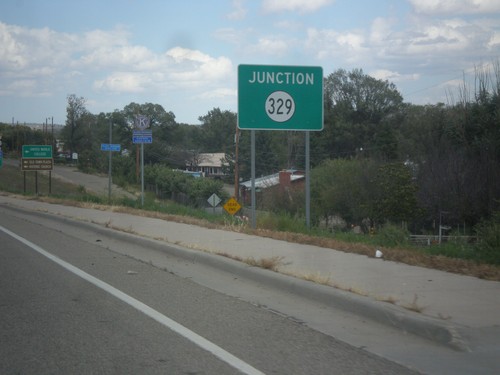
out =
column 142, row 136
column 110, row 147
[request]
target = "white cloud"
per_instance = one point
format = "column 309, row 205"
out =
column 124, row 82
column 455, row 6
column 232, row 35
column 289, row 25
column 440, row 37
column 239, row 11
column 219, row 93
column 328, row 43
column 33, row 59
column 494, row 40
column 119, row 56
column 301, row 6
column 395, row 77
column 269, row 46
column 193, row 66
column 12, row 53
column 380, row 30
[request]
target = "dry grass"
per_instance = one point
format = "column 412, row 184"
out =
column 317, row 278
column 407, row 256
column 414, row 306
column 389, row 299
column 273, row 263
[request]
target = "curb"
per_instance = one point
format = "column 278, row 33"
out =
column 381, row 312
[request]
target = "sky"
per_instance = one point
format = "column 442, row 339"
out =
column 184, row 54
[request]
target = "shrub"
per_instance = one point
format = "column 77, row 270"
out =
column 391, row 235
column 488, row 246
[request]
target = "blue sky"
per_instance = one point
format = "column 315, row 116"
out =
column 184, row 54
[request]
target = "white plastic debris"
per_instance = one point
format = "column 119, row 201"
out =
column 378, row 254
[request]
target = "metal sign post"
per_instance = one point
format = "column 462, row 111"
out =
column 280, row 98
column 37, row 158
column 141, row 135
column 110, row 169
column 109, row 147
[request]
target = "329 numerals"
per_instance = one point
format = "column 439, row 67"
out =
column 280, row 106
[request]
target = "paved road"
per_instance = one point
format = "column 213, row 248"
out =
column 97, row 184
column 89, row 311
column 94, row 183
column 460, row 312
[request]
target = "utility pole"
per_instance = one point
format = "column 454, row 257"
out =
column 236, row 167
column 110, row 169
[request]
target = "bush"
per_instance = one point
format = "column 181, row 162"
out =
column 391, row 235
column 181, row 187
column 281, row 222
column 488, row 246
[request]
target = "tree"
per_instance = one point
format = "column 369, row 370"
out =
column 344, row 188
column 394, row 194
column 267, row 159
column 455, row 151
column 13, row 137
column 359, row 109
column 218, row 128
column 75, row 109
column 163, row 126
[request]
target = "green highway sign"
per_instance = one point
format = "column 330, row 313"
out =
column 273, row 97
column 37, row 152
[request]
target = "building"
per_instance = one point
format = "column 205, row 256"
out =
column 284, row 180
column 210, row 165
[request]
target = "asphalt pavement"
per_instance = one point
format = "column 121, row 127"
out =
column 457, row 311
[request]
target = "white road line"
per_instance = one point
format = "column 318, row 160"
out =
column 145, row 309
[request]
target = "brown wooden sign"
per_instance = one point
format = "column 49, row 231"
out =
column 37, row 164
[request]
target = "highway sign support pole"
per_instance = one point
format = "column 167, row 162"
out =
column 254, row 216
column 286, row 98
column 142, row 174
column 308, row 182
column 109, row 166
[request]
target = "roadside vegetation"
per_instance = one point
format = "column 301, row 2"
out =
column 381, row 169
column 474, row 259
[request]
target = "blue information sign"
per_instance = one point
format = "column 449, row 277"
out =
column 142, row 136
column 110, row 147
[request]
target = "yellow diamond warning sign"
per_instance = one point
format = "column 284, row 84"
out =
column 232, row 206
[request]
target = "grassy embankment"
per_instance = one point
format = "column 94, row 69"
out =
column 452, row 257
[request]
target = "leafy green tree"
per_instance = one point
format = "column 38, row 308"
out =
column 361, row 112
column 267, row 161
column 455, row 153
column 394, row 194
column 181, row 187
column 74, row 131
column 343, row 187
column 218, row 128
column 14, row 137
column 163, row 126
column 488, row 246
